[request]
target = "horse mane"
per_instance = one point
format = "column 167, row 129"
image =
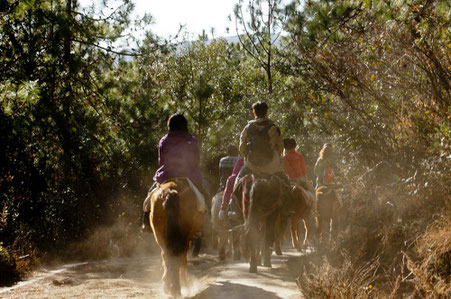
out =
column 175, row 240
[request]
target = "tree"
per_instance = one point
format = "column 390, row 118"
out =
column 55, row 127
column 258, row 29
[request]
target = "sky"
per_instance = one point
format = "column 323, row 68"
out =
column 195, row 14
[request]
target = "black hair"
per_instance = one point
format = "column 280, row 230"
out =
column 177, row 122
column 289, row 143
column 232, row 150
column 260, row 109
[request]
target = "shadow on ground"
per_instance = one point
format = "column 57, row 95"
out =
column 234, row 290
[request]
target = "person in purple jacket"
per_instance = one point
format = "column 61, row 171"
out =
column 178, row 156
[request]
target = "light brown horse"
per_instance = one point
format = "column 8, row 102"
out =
column 301, row 208
column 176, row 215
column 327, row 205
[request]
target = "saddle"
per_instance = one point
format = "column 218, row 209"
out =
column 310, row 196
column 330, row 189
column 200, row 199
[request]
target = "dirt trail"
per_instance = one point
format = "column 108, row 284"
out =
column 140, row 277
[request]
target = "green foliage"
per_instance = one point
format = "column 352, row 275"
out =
column 371, row 77
column 56, row 149
column 80, row 117
column 259, row 25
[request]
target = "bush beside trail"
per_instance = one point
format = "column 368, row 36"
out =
column 391, row 244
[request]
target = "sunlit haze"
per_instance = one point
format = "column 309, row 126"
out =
column 196, row 15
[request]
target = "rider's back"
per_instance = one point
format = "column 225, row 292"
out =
column 262, row 152
column 178, row 156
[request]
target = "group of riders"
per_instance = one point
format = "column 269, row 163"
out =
column 261, row 152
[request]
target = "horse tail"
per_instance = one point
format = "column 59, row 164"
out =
column 175, row 241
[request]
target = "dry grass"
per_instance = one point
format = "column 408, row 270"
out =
column 351, row 280
column 396, row 228
column 17, row 260
column 432, row 273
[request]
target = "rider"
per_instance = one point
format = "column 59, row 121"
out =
column 294, row 163
column 178, row 155
column 226, row 197
column 325, row 166
column 261, row 145
column 226, row 165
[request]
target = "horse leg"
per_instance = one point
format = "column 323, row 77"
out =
column 174, row 276
column 244, row 247
column 279, row 234
column 307, row 227
column 236, row 236
column 214, row 239
column 171, row 279
column 277, row 242
column 223, row 239
column 183, row 266
column 333, row 227
column 252, row 240
column 294, row 228
column 197, row 243
column 328, row 228
column 319, row 227
column 166, row 278
column 269, row 238
column 229, row 245
column 253, row 248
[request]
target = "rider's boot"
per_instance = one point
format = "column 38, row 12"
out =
column 146, row 222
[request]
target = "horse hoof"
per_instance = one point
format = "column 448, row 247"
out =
column 267, row 264
column 253, row 269
column 222, row 255
column 278, row 252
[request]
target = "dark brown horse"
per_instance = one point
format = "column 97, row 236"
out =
column 327, row 205
column 267, row 196
column 176, row 215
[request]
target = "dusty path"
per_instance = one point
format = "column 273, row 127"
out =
column 139, row 277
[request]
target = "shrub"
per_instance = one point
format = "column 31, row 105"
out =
column 432, row 273
column 8, row 272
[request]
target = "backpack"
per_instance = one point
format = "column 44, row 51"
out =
column 328, row 175
column 259, row 148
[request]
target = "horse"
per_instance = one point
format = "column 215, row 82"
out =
column 220, row 228
column 303, row 202
column 176, row 215
column 301, row 208
column 327, row 204
column 267, row 196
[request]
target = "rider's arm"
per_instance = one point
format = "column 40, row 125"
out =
column 318, row 168
column 243, row 142
column 161, row 152
column 276, row 139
